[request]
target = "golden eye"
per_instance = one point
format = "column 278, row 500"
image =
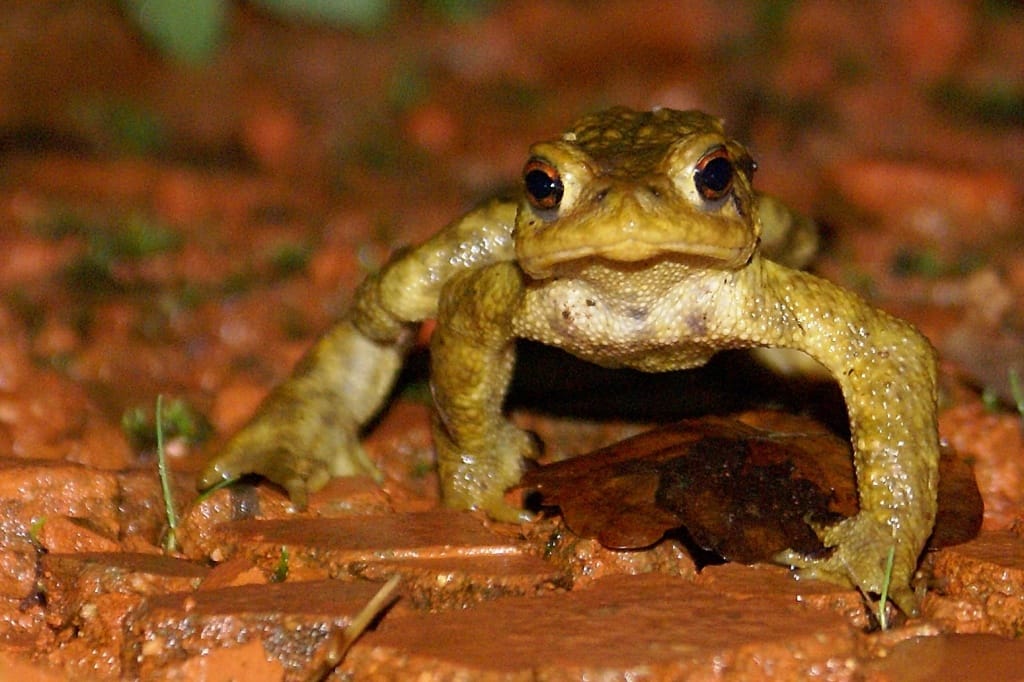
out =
column 543, row 184
column 713, row 174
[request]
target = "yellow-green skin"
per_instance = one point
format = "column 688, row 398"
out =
column 632, row 268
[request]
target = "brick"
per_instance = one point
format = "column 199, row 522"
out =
column 651, row 626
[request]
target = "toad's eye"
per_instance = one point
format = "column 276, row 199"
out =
column 543, row 184
column 713, row 174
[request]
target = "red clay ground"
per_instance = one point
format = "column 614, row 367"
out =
column 188, row 230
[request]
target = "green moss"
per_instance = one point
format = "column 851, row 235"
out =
column 280, row 573
column 190, row 31
column 422, row 469
column 408, row 85
column 928, row 263
column 362, row 15
column 28, row 309
column 133, row 237
column 459, row 10
column 59, row 222
column 238, row 282
column 122, row 126
column 997, row 103
column 290, row 259
column 1017, row 391
column 772, row 15
column 179, row 420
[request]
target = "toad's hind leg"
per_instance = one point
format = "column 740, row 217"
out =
column 787, row 237
column 307, row 430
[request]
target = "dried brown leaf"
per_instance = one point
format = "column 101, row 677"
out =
column 743, row 488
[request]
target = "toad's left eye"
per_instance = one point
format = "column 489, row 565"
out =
column 713, row 174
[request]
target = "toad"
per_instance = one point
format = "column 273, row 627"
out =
column 638, row 241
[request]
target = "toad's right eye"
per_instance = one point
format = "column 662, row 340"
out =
column 543, row 184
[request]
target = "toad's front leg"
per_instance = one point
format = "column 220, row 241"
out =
column 886, row 370
column 472, row 352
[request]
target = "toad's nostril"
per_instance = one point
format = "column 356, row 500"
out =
column 648, row 196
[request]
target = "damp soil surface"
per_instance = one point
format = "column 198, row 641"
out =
column 187, row 229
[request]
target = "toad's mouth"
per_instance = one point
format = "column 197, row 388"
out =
column 628, row 251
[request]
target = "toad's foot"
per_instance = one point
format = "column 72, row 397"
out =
column 479, row 481
column 860, row 556
column 299, row 455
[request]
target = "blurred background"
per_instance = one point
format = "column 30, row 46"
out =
column 190, row 190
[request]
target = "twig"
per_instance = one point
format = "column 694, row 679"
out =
column 340, row 642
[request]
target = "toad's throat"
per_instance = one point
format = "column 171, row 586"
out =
column 633, row 251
